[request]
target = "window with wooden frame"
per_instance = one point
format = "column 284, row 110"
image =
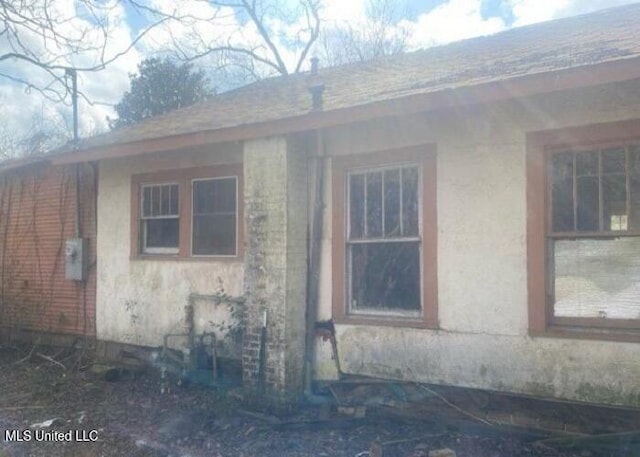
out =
column 384, row 238
column 215, row 216
column 160, row 219
column 187, row 213
column 590, row 238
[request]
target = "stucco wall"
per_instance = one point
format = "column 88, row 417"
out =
column 139, row 301
column 482, row 276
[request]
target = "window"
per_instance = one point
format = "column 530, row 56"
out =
column 587, row 280
column 384, row 232
column 383, row 245
column 189, row 213
column 160, row 221
column 214, row 216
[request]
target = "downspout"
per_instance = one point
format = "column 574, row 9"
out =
column 313, row 270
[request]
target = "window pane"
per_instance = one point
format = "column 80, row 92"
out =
column 174, row 206
column 410, row 201
column 160, row 233
column 385, row 276
column 614, row 201
column 634, row 160
column 392, row 203
column 214, row 196
column 214, row 235
column 613, row 160
column 562, row 192
column 588, row 204
column 160, row 200
column 634, row 198
column 146, row 201
column 200, row 197
column 155, row 200
column 374, row 204
column 224, row 195
column 597, row 278
column 165, row 203
column 587, row 163
column 214, row 217
column 356, row 206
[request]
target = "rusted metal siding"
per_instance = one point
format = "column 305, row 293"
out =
column 37, row 215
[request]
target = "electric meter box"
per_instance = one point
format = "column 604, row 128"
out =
column 75, row 259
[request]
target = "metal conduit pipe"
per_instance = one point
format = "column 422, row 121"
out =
column 314, row 253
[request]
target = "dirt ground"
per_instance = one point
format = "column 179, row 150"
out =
column 131, row 417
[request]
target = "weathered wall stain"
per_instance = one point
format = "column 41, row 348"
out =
column 159, row 289
column 482, row 278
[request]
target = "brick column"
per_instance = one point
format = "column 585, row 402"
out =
column 275, row 180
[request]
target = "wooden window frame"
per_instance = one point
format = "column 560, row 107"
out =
column 185, row 177
column 425, row 157
column 539, row 147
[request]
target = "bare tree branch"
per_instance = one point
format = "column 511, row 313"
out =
column 313, row 23
column 259, row 23
column 378, row 35
column 270, row 52
column 38, row 35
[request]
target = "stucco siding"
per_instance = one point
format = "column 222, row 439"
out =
column 141, row 300
column 482, row 258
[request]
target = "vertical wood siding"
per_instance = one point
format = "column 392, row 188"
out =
column 37, row 215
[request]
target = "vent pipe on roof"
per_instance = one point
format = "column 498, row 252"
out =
column 315, row 85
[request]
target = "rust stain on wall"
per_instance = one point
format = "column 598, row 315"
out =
column 37, row 215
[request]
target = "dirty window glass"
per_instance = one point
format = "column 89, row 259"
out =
column 383, row 240
column 160, row 223
column 214, row 216
column 385, row 276
column 594, row 247
column 595, row 191
column 597, row 278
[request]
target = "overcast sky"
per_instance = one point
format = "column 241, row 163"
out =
column 429, row 22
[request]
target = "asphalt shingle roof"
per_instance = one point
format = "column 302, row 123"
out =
column 599, row 37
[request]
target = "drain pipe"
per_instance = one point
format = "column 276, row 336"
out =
column 313, row 268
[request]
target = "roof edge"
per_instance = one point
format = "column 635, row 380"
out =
column 519, row 86
column 22, row 162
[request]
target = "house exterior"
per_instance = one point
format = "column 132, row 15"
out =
column 465, row 215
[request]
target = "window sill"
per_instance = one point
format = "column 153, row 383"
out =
column 626, row 335
column 179, row 258
column 385, row 321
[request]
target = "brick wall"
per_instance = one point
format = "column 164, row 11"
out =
column 275, row 265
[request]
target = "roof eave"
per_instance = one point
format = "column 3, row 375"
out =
column 515, row 87
column 21, row 163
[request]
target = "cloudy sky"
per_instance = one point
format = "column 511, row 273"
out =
column 428, row 23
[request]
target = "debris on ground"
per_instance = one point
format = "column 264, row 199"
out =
column 132, row 418
column 46, row 424
column 446, row 452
